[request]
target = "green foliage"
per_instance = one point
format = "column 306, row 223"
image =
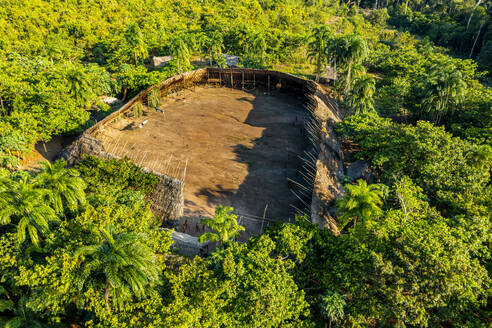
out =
column 421, row 256
column 361, row 202
column 12, row 145
column 444, row 90
column 122, row 265
column 378, row 17
column 360, row 98
column 137, row 110
column 43, row 281
column 241, row 285
column 118, row 174
column 154, row 98
column 224, row 225
column 317, row 48
column 25, row 206
column 136, row 42
column 439, row 163
column 180, row 53
column 331, row 306
column 63, row 186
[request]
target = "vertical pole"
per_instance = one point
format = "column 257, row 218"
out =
column 254, row 80
column 232, row 80
column 220, row 76
column 242, row 83
column 268, row 83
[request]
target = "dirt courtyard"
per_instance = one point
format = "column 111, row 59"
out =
column 240, row 147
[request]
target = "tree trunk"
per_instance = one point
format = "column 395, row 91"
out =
column 106, row 296
column 347, row 86
column 473, row 10
column 375, row 4
column 406, row 6
column 335, row 77
column 476, row 39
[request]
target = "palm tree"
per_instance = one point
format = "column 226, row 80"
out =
column 333, row 52
column 5, row 303
column 331, row 307
column 259, row 46
column 318, row 47
column 79, row 84
column 23, row 316
column 354, row 50
column 65, row 186
column 202, row 40
column 243, row 37
column 121, row 264
column 361, row 202
column 360, row 98
column 180, row 52
column 480, row 156
column 24, row 205
column 444, row 90
column 216, row 45
column 136, row 41
column 224, row 225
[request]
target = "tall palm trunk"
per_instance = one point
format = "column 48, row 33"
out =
column 347, row 86
column 476, row 39
column 335, row 77
column 106, row 296
column 318, row 68
column 473, row 11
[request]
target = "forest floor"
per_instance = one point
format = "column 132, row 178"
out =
column 238, row 148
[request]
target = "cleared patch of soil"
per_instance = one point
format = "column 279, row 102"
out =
column 48, row 151
column 239, row 147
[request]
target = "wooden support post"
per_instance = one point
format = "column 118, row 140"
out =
column 232, row 80
column 254, row 80
column 242, row 83
column 268, row 83
column 220, row 76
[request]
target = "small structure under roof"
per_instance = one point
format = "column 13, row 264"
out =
column 161, row 61
column 188, row 245
column 231, row 60
column 330, row 73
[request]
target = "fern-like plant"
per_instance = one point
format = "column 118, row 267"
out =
column 154, row 98
column 137, row 110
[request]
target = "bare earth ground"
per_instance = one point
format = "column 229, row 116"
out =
column 48, row 151
column 240, row 148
